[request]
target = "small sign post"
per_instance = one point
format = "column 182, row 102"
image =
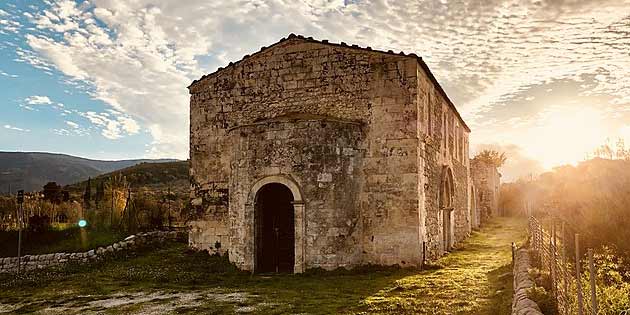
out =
column 20, row 200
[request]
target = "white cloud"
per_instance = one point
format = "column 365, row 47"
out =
column 28, row 107
column 2, row 73
column 72, row 124
column 75, row 129
column 61, row 132
column 38, row 100
column 9, row 26
column 16, row 128
column 112, row 126
column 139, row 56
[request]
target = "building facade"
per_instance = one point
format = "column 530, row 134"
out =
column 486, row 184
column 309, row 154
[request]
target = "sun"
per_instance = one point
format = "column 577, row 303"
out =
column 565, row 135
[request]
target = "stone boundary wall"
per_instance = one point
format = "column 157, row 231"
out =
column 521, row 303
column 133, row 242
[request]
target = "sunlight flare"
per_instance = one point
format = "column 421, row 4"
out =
column 565, row 135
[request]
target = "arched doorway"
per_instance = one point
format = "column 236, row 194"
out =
column 274, row 229
column 446, row 207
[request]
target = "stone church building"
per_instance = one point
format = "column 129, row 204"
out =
column 486, row 181
column 311, row 154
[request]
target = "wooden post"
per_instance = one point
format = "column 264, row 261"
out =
column 565, row 267
column 19, row 249
column 593, row 285
column 111, row 214
column 537, row 236
column 424, row 254
column 552, row 258
column 578, row 272
column 513, row 254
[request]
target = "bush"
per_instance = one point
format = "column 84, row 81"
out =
column 613, row 289
column 39, row 223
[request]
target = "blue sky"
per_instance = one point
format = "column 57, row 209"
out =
column 42, row 111
column 546, row 81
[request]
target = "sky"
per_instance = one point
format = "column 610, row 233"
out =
column 544, row 81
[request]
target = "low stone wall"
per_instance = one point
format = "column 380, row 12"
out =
column 133, row 242
column 521, row 303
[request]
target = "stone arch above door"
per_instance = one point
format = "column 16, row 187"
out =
column 278, row 179
column 447, row 188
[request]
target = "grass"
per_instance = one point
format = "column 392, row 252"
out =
column 172, row 280
column 66, row 240
column 475, row 279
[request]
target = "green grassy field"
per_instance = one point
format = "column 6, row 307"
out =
column 475, row 279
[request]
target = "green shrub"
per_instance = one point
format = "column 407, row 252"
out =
column 613, row 289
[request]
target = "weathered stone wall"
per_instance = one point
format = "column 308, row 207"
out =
column 475, row 213
column 350, row 127
column 133, row 242
column 521, row 303
column 444, row 144
column 323, row 157
column 487, row 181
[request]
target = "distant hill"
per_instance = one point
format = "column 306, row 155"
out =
column 154, row 176
column 32, row 170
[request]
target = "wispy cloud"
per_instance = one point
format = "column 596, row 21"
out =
column 73, row 128
column 72, row 124
column 113, row 125
column 38, row 100
column 16, row 128
column 4, row 74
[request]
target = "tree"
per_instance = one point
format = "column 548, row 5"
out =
column 87, row 195
column 100, row 193
column 491, row 157
column 117, row 187
column 52, row 192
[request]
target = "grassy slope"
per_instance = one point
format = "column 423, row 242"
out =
column 32, row 170
column 155, row 175
column 474, row 280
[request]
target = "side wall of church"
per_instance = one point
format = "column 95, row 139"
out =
column 445, row 143
column 487, row 181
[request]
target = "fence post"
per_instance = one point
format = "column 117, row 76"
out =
column 538, row 235
column 578, row 283
column 531, row 231
column 565, row 266
column 552, row 259
column 593, row 286
column 541, row 239
column 513, row 254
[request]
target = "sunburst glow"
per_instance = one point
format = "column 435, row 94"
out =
column 565, row 135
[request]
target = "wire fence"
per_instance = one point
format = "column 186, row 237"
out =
column 559, row 252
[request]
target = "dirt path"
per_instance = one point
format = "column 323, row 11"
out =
column 473, row 280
